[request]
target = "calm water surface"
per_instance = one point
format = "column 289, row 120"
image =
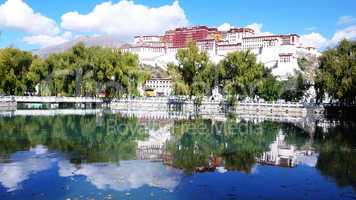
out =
column 107, row 156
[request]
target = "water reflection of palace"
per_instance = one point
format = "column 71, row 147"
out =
column 280, row 152
column 286, row 155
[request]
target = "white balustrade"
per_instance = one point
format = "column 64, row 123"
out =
column 51, row 99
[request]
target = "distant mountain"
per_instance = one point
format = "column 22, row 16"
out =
column 89, row 41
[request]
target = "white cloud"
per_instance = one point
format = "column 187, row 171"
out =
column 17, row 15
column 319, row 41
column 258, row 29
column 125, row 19
column 347, row 33
column 67, row 34
column 255, row 26
column 314, row 40
column 312, row 28
column 348, row 19
column 47, row 40
column 225, row 27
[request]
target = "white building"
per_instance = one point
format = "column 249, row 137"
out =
column 161, row 86
column 277, row 52
column 147, row 39
column 224, row 48
column 236, row 35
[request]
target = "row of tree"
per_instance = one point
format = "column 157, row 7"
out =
column 80, row 71
column 237, row 75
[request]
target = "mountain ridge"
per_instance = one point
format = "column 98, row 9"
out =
column 89, row 41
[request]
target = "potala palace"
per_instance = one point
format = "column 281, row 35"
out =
column 278, row 52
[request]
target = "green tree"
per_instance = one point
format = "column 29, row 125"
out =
column 14, row 65
column 294, row 88
column 269, row 88
column 36, row 73
column 195, row 70
column 240, row 74
column 178, row 84
column 336, row 75
column 86, row 71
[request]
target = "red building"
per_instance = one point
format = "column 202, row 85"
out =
column 180, row 37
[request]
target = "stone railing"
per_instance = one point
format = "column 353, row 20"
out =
column 7, row 98
column 7, row 103
column 272, row 104
column 52, row 112
column 54, row 99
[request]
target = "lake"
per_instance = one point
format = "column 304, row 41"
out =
column 109, row 155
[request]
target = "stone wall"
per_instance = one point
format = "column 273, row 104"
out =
column 216, row 107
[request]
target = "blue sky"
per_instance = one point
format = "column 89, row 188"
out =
column 322, row 18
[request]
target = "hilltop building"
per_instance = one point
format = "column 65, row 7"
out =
column 278, row 52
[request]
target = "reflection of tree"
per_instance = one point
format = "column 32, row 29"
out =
column 246, row 143
column 192, row 144
column 337, row 155
column 200, row 143
column 339, row 164
column 295, row 135
column 240, row 160
column 77, row 135
column 336, row 147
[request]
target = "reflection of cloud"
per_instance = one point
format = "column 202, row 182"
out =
column 309, row 160
column 221, row 170
column 126, row 176
column 254, row 169
column 157, row 137
column 34, row 161
column 39, row 150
